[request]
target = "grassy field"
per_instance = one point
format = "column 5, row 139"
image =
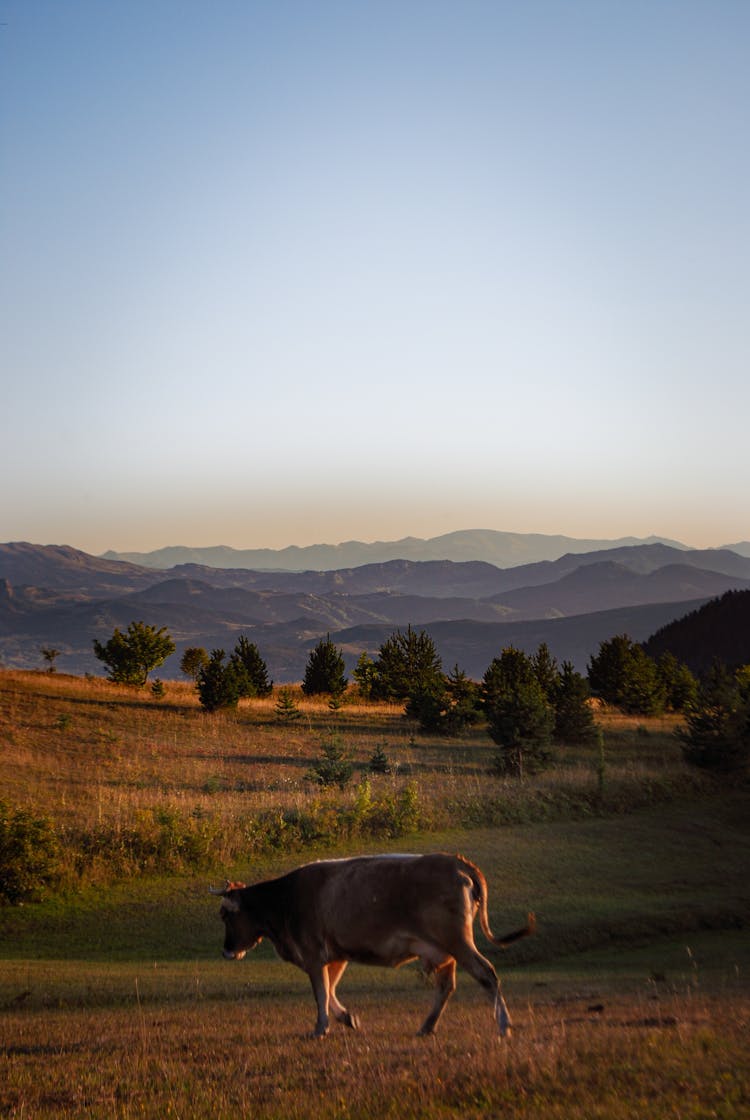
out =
column 631, row 1000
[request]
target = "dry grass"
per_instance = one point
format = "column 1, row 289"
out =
column 91, row 752
column 113, row 1004
column 188, row 1045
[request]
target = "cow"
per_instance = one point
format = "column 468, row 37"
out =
column 383, row 909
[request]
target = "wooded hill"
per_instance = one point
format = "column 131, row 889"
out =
column 720, row 629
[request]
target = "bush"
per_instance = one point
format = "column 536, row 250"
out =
column 286, row 707
column 28, row 854
column 335, row 767
column 716, row 735
column 379, row 762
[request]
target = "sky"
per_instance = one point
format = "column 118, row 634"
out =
column 282, row 272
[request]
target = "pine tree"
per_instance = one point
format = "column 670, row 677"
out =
column 545, row 671
column 680, row 686
column 448, row 706
column 621, row 673
column 286, row 707
column 519, row 716
column 324, row 671
column 716, row 735
column 365, row 675
column 218, row 683
column 334, row 767
column 251, row 669
column 574, row 720
column 379, row 762
column 407, row 665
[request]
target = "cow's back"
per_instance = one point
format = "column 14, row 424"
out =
column 362, row 906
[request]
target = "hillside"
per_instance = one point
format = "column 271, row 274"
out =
column 56, row 596
column 719, row 629
column 63, row 568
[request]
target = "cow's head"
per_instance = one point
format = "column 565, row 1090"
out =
column 241, row 929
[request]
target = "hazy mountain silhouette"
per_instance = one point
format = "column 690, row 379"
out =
column 742, row 548
column 504, row 550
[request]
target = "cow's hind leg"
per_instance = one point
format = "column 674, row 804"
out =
column 484, row 974
column 445, row 976
column 335, row 972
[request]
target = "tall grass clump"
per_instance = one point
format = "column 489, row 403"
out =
column 28, row 853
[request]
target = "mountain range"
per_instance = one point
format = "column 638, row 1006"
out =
column 58, row 596
column 505, row 550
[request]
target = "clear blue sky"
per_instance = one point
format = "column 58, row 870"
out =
column 296, row 271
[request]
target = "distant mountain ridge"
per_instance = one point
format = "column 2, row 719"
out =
column 56, row 596
column 504, row 550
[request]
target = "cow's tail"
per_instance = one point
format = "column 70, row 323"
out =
column 479, row 894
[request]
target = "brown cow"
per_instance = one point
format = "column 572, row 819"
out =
column 383, row 910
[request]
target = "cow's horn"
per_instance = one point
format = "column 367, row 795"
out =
column 221, row 892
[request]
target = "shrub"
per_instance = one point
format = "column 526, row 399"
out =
column 379, row 762
column 334, row 768
column 28, row 853
column 286, row 707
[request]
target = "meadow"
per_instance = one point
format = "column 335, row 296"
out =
column 631, row 999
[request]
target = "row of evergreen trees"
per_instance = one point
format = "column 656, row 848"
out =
column 526, row 700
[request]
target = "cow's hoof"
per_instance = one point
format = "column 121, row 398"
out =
column 352, row 1021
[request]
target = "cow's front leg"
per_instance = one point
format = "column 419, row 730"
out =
column 335, row 972
column 321, row 991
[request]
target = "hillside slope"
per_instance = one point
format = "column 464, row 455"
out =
column 719, row 629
